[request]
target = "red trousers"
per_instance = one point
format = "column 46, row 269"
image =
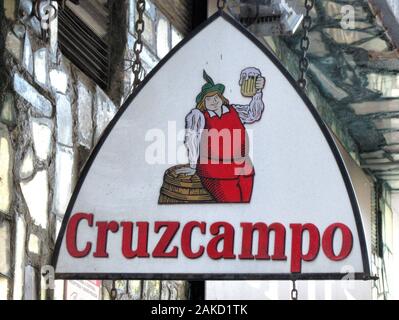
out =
column 230, row 190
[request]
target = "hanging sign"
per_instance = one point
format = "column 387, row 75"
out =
column 217, row 167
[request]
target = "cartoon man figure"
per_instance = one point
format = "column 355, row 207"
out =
column 217, row 141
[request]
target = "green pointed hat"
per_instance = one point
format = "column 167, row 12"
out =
column 209, row 87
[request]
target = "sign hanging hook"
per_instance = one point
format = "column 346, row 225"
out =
column 221, row 4
column 294, row 291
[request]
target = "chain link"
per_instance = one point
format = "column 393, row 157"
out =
column 221, row 4
column 114, row 292
column 137, row 66
column 304, row 45
column 294, row 291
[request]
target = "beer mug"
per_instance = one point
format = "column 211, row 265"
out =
column 248, row 81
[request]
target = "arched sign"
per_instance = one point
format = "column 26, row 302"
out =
column 218, row 167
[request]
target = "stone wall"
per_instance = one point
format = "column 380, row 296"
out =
column 51, row 116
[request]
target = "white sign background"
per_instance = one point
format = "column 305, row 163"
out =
column 297, row 177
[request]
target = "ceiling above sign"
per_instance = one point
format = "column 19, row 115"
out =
column 218, row 167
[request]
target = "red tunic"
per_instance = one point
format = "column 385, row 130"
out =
column 224, row 147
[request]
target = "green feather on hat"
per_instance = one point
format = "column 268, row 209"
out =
column 209, row 87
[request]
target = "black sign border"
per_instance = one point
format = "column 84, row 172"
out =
column 365, row 275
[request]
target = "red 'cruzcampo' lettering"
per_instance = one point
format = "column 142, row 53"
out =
column 187, row 236
column 328, row 241
column 297, row 254
column 71, row 235
column 102, row 237
column 165, row 240
column 263, row 230
column 220, row 246
column 226, row 238
column 142, row 242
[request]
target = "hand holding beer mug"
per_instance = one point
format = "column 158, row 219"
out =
column 251, row 82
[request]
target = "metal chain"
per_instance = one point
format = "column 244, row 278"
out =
column 304, row 45
column 114, row 293
column 294, row 291
column 221, row 4
column 137, row 66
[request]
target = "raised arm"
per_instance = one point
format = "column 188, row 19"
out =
column 253, row 111
column 195, row 123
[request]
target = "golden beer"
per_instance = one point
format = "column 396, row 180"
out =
column 248, row 86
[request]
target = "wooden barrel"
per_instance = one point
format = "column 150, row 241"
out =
column 181, row 188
